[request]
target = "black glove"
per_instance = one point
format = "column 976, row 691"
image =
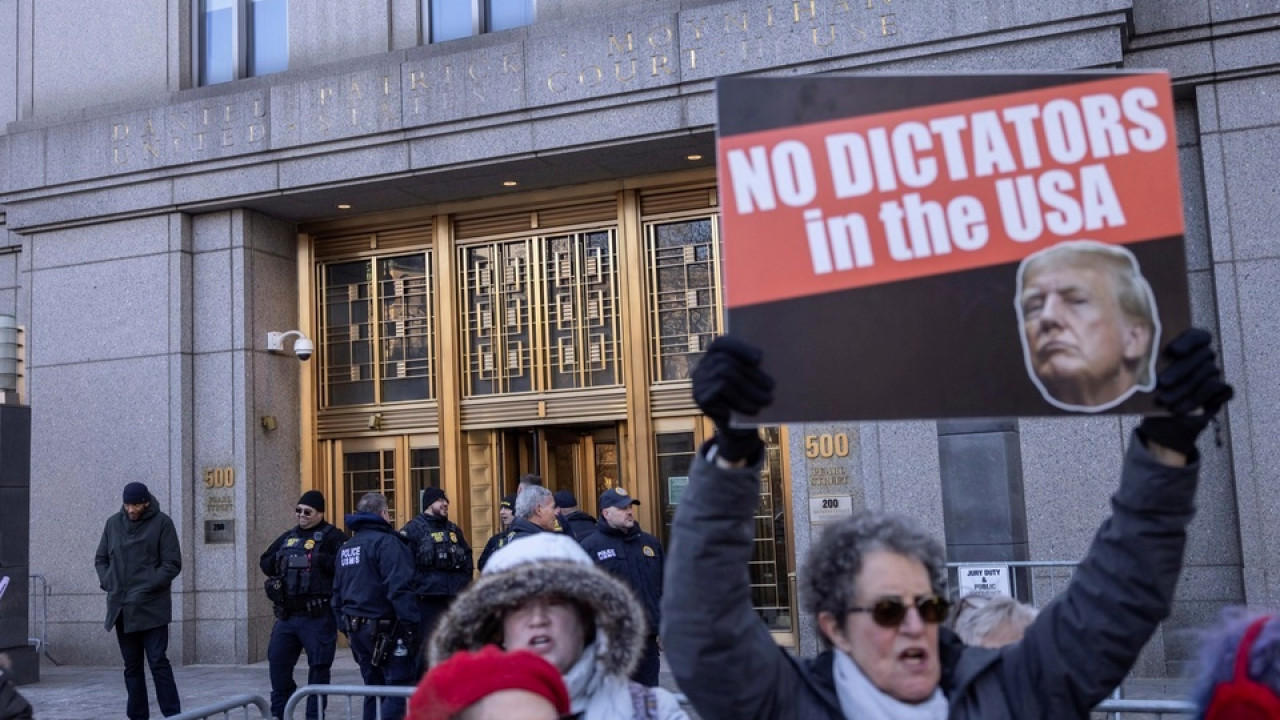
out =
column 728, row 380
column 1191, row 389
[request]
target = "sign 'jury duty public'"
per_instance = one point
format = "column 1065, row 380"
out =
column 926, row 246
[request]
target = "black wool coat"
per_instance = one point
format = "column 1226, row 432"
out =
column 137, row 561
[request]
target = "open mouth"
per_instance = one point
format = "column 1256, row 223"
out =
column 539, row 643
column 914, row 657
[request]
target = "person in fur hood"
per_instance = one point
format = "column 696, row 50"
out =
column 544, row 594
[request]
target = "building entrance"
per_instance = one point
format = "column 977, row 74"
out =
column 581, row 459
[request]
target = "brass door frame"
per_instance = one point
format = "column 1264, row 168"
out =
column 404, row 500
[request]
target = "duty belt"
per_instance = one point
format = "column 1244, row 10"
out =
column 355, row 622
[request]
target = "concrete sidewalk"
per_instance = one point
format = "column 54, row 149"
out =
column 74, row 692
column 71, row 692
column 97, row 693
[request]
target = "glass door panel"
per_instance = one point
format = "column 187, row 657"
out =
column 771, row 563
column 368, row 470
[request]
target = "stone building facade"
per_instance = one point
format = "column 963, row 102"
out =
column 504, row 246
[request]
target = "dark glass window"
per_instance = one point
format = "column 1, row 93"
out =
column 268, row 36
column 378, row 337
column 240, row 38
column 507, row 14
column 217, row 23
column 453, row 19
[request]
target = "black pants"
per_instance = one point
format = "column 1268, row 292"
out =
column 396, row 671
column 319, row 637
column 431, row 608
column 152, row 643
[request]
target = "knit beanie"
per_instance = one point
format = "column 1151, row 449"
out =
column 468, row 677
column 313, row 499
column 135, row 493
column 430, row 496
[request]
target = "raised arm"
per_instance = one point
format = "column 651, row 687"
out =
column 722, row 654
column 1085, row 642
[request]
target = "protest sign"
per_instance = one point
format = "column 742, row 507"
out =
column 953, row 246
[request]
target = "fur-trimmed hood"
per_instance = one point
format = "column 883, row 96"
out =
column 475, row 618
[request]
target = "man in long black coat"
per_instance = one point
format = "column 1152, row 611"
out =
column 137, row 561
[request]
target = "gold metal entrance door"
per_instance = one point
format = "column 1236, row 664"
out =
column 582, row 460
column 400, row 467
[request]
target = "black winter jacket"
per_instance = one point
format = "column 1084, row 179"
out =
column 12, row 705
column 521, row 528
column 578, row 525
column 634, row 556
column 137, row 562
column 324, row 557
column 496, row 541
column 1078, row 649
column 432, row 580
column 374, row 578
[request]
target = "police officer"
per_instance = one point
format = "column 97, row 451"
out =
column 442, row 560
column 373, row 597
column 620, row 547
column 506, row 513
column 576, row 523
column 299, row 567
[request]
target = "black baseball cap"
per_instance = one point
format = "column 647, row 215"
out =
column 617, row 498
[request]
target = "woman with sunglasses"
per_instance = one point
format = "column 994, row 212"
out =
column 875, row 582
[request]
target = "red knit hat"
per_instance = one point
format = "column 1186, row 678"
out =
column 467, row 677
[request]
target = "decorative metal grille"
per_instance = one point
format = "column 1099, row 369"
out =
column 366, row 472
column 541, row 313
column 770, row 563
column 404, row 295
column 582, row 310
column 378, row 337
column 348, row 333
column 424, row 472
column 684, row 293
column 498, row 298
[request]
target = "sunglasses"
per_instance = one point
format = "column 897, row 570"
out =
column 304, row 512
column 889, row 612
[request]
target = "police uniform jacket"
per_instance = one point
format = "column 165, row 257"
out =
column 521, row 527
column 1079, row 648
column 137, row 561
column 636, row 557
column 431, row 579
column 319, row 546
column 495, row 542
column 578, row 525
column 374, row 577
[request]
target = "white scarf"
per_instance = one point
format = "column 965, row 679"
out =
column 860, row 700
column 595, row 693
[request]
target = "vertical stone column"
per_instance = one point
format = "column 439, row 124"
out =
column 984, row 511
column 245, row 475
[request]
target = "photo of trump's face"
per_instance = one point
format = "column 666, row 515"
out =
column 1088, row 324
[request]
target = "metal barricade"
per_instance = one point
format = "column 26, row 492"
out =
column 1037, row 582
column 225, row 708
column 1153, row 709
column 355, row 694
column 38, row 609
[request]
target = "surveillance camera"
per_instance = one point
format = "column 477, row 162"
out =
column 303, row 348
column 302, row 345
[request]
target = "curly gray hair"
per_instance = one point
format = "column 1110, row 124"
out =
column 831, row 571
column 978, row 616
column 529, row 499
